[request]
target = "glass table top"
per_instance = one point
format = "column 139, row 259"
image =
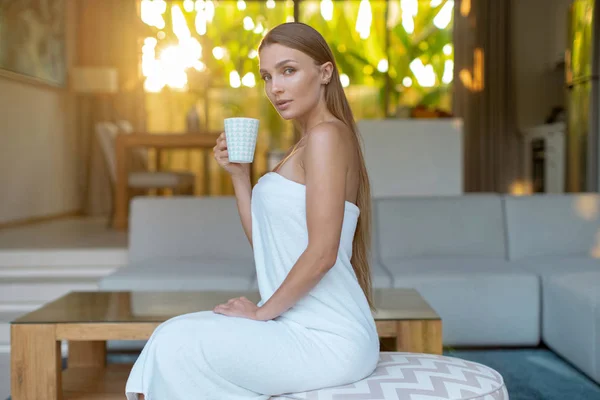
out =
column 115, row 307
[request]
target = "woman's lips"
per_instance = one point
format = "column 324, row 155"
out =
column 282, row 105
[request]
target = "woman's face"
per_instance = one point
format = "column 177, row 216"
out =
column 293, row 82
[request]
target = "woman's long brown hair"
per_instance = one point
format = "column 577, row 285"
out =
column 306, row 39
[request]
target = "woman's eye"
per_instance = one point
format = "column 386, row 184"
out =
column 265, row 78
column 288, row 70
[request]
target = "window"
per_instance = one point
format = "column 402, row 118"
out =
column 357, row 38
column 201, row 55
column 421, row 54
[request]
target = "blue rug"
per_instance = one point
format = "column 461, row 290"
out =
column 530, row 374
column 534, row 374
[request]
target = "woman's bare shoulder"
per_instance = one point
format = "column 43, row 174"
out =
column 330, row 134
column 332, row 143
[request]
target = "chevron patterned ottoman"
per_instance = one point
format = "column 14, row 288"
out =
column 414, row 376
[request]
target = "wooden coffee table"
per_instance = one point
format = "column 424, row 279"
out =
column 88, row 319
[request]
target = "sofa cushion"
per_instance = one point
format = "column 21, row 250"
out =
column 182, row 273
column 481, row 301
column 571, row 319
column 406, row 157
column 470, row 225
column 553, row 225
column 186, row 226
column 548, row 265
column 380, row 276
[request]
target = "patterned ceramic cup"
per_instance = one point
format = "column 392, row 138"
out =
column 241, row 134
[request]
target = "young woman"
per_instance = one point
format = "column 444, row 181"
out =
column 308, row 222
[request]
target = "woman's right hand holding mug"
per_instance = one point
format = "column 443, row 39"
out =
column 221, row 155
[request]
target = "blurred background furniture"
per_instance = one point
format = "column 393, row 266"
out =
column 181, row 183
column 487, row 263
column 407, row 157
column 95, row 87
column 134, row 140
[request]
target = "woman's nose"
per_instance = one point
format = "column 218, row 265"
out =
column 276, row 87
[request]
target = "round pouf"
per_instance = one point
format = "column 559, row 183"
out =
column 407, row 376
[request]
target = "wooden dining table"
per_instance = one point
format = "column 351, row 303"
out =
column 125, row 142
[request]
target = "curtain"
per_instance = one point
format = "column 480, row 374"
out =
column 483, row 94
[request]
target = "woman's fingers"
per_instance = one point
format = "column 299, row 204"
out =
column 221, row 142
column 221, row 147
column 226, row 306
column 221, row 155
column 233, row 307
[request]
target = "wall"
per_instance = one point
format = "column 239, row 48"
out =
column 539, row 41
column 412, row 157
column 108, row 35
column 38, row 165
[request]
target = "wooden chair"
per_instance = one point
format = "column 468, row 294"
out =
column 139, row 183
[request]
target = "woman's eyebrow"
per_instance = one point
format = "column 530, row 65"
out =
column 279, row 64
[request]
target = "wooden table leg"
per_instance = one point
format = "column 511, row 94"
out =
column 159, row 166
column 206, row 156
column 419, row 336
column 87, row 354
column 35, row 358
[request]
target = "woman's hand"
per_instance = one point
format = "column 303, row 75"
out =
column 239, row 307
column 221, row 155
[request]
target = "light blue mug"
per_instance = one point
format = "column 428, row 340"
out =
column 241, row 134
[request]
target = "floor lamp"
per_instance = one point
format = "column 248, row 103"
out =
column 95, row 87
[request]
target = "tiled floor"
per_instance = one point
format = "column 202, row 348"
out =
column 55, row 241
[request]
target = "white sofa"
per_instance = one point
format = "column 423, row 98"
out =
column 185, row 243
column 558, row 237
column 500, row 270
column 452, row 249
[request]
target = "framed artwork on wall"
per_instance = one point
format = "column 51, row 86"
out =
column 32, row 41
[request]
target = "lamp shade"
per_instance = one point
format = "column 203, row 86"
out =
column 95, row 80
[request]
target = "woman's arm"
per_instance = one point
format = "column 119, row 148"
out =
column 326, row 165
column 243, row 194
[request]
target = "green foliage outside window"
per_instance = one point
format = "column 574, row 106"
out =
column 377, row 64
column 392, row 54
